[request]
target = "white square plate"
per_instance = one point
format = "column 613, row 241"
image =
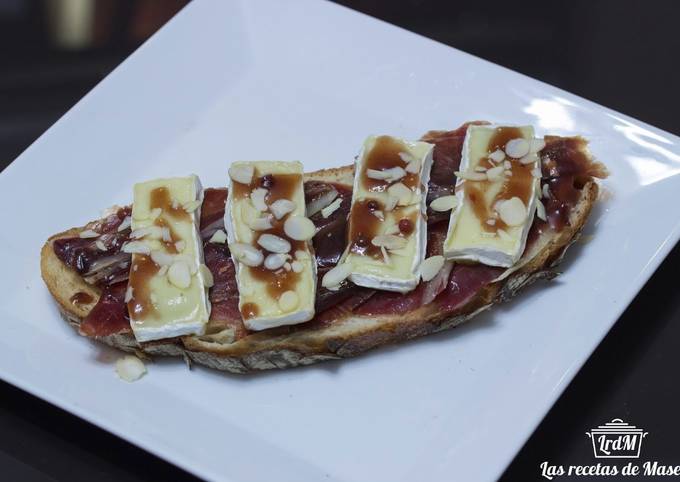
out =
column 309, row 80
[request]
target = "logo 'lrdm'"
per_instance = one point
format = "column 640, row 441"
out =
column 616, row 440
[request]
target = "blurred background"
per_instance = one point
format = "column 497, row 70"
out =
column 619, row 53
column 52, row 52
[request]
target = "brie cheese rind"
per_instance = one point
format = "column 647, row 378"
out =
column 270, row 242
column 497, row 187
column 387, row 232
column 167, row 293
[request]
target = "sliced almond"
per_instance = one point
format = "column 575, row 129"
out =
column 545, row 191
column 517, row 148
column 166, row 235
column 246, row 254
column 377, row 174
column 379, row 214
column 403, row 194
column 258, row 197
column 281, row 207
column 273, row 243
column 389, row 241
column 540, row 210
column 88, row 233
column 242, row 173
column 491, row 222
column 248, row 212
column 136, row 247
column 192, row 206
column 495, row 173
column 391, row 202
column 331, row 208
column 413, row 167
column 179, row 274
column 507, row 165
column 261, row 223
column 386, row 257
column 297, row 266
column 320, row 202
column 128, row 294
column 444, row 203
column 127, row 222
column 471, row 175
column 407, row 157
column 288, row 301
column 208, row 280
column 497, row 156
column 529, row 159
column 130, row 368
column 430, row 267
column 512, row 211
column 335, row 276
column 299, row 228
column 390, row 175
column 161, row 258
column 274, row 261
column 218, row 237
column 287, row 266
column 395, row 173
column 162, row 271
column 100, row 245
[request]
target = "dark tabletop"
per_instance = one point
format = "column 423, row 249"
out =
column 622, row 54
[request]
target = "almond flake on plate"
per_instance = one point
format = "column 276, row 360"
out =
column 130, row 368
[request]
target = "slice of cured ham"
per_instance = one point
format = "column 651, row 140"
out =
column 98, row 257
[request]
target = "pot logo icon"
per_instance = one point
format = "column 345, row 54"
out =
column 616, row 440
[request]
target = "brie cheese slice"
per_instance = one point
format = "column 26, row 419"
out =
column 497, row 186
column 387, row 232
column 270, row 242
column 167, row 290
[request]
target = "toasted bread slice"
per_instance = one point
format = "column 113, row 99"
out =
column 347, row 336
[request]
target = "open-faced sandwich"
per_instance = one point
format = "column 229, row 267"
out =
column 284, row 268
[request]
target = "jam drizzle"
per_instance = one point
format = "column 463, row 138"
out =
column 518, row 185
column 277, row 282
column 385, row 155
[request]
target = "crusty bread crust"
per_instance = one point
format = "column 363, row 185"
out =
column 343, row 338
